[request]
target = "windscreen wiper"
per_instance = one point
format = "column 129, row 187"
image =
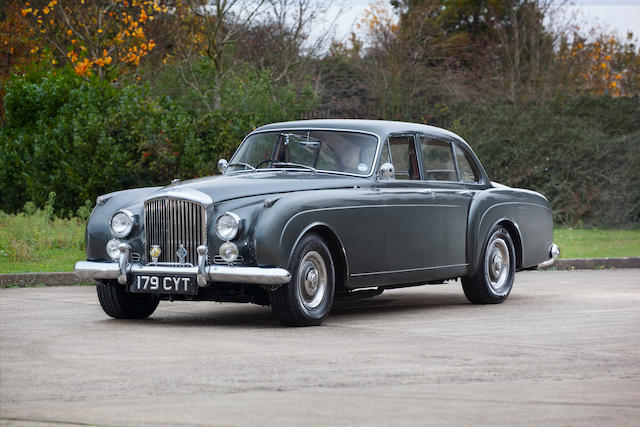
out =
column 295, row 165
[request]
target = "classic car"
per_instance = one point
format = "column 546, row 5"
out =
column 312, row 210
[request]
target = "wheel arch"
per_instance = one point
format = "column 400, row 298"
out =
column 336, row 248
column 514, row 232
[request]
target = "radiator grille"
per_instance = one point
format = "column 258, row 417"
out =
column 172, row 222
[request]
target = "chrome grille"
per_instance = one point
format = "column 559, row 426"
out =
column 217, row 259
column 172, row 222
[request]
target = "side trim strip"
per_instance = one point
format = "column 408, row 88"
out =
column 408, row 270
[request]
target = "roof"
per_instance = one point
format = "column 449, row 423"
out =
column 382, row 128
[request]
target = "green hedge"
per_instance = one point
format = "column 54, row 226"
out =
column 583, row 154
column 83, row 138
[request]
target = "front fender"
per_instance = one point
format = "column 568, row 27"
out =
column 349, row 214
column 97, row 233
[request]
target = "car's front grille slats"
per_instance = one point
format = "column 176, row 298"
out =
column 170, row 223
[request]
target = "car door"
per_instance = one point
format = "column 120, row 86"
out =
column 440, row 158
column 412, row 215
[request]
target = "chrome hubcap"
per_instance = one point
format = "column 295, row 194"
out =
column 312, row 280
column 497, row 263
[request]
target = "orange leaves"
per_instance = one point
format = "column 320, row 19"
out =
column 83, row 68
column 99, row 36
column 601, row 64
column 378, row 17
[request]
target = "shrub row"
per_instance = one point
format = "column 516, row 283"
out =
column 83, row 138
column 583, row 154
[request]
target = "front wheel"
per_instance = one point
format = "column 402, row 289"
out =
column 494, row 278
column 125, row 305
column 306, row 300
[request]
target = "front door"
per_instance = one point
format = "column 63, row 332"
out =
column 412, row 215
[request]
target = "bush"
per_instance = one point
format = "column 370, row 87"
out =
column 82, row 138
column 583, row 154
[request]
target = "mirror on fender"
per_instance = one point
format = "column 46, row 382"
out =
column 222, row 165
column 386, row 171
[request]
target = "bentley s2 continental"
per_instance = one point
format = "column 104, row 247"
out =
column 308, row 211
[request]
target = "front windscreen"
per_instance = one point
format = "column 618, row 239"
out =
column 333, row 151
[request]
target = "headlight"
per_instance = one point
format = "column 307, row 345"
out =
column 227, row 226
column 112, row 249
column 122, row 223
column 228, row 251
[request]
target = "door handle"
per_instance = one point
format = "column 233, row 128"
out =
column 429, row 193
column 465, row 193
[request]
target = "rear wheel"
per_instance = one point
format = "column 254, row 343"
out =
column 493, row 280
column 306, row 300
column 125, row 305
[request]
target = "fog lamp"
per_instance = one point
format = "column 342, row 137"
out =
column 228, row 251
column 112, row 249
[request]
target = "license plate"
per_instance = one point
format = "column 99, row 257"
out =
column 163, row 284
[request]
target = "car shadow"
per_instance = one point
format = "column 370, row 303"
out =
column 230, row 315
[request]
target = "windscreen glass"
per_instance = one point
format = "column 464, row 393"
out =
column 335, row 151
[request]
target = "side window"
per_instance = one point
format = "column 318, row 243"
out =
column 466, row 167
column 437, row 159
column 385, row 156
column 403, row 155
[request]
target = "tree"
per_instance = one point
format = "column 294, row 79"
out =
column 105, row 37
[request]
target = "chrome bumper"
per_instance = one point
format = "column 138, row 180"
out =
column 554, row 251
column 206, row 274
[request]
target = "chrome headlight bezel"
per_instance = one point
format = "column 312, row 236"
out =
column 231, row 221
column 130, row 221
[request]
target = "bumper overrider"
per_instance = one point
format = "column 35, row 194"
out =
column 124, row 269
column 554, row 251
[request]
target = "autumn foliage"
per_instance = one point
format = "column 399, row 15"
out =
column 95, row 36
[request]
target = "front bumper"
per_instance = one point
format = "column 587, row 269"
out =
column 206, row 274
column 554, row 251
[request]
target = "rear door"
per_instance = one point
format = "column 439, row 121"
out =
column 449, row 173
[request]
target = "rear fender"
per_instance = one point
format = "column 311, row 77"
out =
column 526, row 215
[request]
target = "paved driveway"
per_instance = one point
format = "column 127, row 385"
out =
column 564, row 349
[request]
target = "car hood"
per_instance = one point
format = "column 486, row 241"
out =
column 224, row 187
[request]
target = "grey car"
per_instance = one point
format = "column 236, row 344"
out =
column 309, row 211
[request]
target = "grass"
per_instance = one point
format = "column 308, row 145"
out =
column 36, row 241
column 597, row 243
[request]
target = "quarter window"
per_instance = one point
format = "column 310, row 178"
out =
column 468, row 172
column 437, row 160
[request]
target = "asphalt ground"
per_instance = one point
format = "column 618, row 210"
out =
column 564, row 349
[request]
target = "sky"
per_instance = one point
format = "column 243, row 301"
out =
column 616, row 15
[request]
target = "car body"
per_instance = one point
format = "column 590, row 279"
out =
column 308, row 211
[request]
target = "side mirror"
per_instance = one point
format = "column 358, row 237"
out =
column 222, row 165
column 386, row 171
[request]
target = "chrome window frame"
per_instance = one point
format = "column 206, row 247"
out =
column 313, row 129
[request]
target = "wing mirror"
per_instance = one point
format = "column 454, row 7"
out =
column 386, row 171
column 222, row 165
